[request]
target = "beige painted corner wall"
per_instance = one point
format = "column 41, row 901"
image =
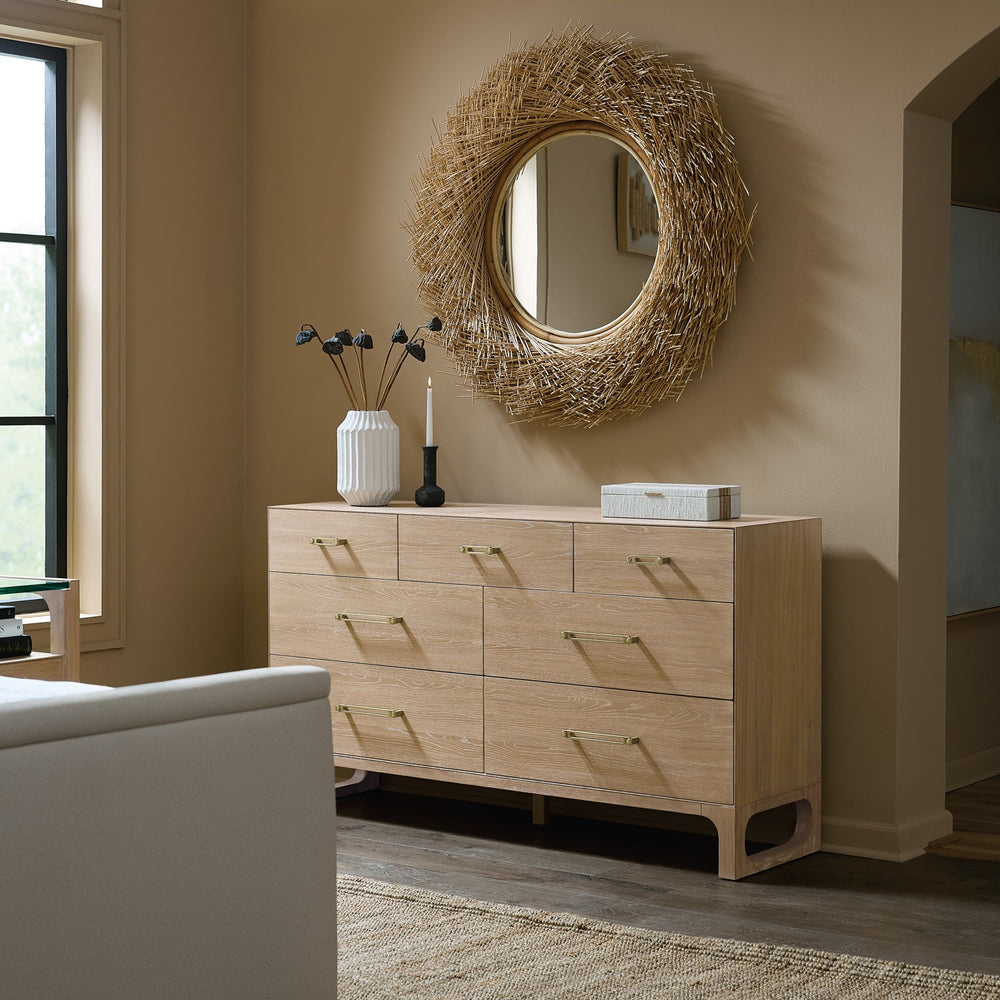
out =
column 802, row 405
column 183, row 344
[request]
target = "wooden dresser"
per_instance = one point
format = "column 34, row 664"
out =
column 672, row 665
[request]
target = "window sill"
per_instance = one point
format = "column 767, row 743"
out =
column 96, row 631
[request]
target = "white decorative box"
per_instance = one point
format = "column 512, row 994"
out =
column 671, row 501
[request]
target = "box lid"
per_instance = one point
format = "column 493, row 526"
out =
column 669, row 490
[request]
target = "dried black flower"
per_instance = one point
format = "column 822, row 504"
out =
column 356, row 385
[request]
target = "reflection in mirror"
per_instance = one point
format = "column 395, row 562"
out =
column 576, row 233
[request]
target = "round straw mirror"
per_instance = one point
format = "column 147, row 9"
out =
column 683, row 215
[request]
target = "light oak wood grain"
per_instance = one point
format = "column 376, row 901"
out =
column 64, row 628
column 684, row 748
column 777, row 662
column 37, row 667
column 700, row 565
column 731, row 823
column 561, row 790
column 370, row 549
column 533, row 555
column 722, row 694
column 539, row 512
column 442, row 626
column 684, row 647
column 441, row 724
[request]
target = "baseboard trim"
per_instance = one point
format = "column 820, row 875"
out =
column 975, row 767
column 884, row 841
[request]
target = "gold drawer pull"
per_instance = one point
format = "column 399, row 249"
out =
column 382, row 713
column 327, row 541
column 655, row 560
column 626, row 640
column 481, row 550
column 344, row 616
column 625, row 741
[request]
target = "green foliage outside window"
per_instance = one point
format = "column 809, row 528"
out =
column 22, row 391
column 23, row 343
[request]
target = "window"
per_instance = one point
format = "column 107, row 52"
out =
column 33, row 299
column 86, row 41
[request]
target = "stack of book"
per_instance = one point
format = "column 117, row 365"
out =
column 13, row 641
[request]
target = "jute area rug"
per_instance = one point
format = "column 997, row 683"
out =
column 409, row 943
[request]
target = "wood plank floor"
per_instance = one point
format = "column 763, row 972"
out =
column 937, row 911
column 976, row 813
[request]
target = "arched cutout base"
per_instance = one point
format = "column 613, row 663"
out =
column 731, row 823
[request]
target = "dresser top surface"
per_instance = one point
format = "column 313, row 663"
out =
column 534, row 512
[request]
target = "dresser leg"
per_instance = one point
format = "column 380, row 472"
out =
column 731, row 823
column 358, row 782
column 539, row 810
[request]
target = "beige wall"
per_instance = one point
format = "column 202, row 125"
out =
column 183, row 344
column 802, row 406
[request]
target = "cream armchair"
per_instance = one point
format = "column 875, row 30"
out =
column 170, row 840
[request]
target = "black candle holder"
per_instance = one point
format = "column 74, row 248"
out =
column 430, row 494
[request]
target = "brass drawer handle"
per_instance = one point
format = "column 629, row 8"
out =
column 654, row 560
column 344, row 616
column 382, row 713
column 625, row 741
column 327, row 541
column 481, row 550
column 626, row 640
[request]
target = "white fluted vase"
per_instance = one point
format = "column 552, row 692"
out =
column 368, row 458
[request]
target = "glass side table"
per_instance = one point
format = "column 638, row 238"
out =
column 61, row 662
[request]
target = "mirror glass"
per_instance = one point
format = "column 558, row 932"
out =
column 576, row 232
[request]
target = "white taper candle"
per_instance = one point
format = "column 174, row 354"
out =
column 430, row 414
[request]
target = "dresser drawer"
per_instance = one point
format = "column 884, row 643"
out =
column 535, row 555
column 683, row 748
column 422, row 625
column 331, row 543
column 652, row 561
column 441, row 720
column 677, row 647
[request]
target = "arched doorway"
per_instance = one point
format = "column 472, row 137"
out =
column 923, row 470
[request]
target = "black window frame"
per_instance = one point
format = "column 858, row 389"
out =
column 54, row 239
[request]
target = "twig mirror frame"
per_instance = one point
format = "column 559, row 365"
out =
column 657, row 109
